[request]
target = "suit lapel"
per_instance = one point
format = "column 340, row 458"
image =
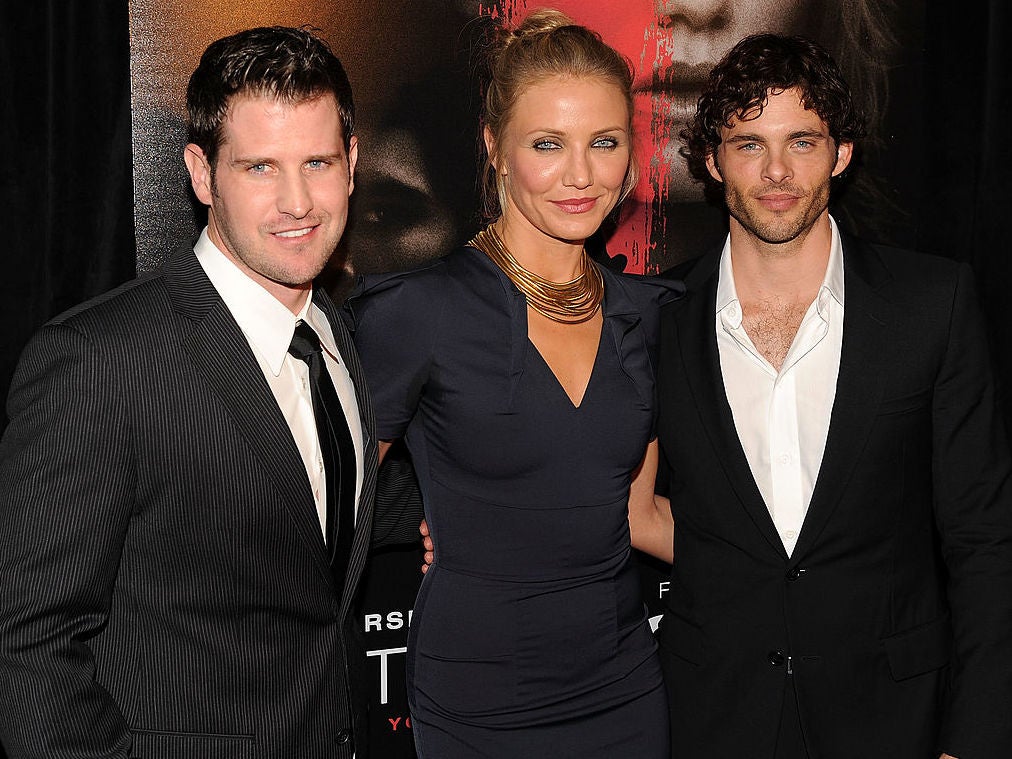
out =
column 859, row 385
column 221, row 353
column 697, row 341
column 363, row 519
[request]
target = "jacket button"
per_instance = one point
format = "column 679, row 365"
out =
column 793, row 574
column 776, row 658
column 343, row 737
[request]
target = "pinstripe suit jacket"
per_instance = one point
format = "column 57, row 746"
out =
column 164, row 582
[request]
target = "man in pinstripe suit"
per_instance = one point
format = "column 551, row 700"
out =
column 166, row 586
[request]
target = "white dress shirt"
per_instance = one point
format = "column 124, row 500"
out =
column 268, row 327
column 782, row 418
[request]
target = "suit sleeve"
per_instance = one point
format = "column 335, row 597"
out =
column 973, row 511
column 66, row 495
column 398, row 510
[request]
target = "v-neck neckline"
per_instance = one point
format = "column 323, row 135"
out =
column 590, row 378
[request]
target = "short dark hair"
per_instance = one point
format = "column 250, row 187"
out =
column 758, row 65
column 291, row 65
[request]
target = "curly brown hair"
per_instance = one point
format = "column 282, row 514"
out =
column 742, row 81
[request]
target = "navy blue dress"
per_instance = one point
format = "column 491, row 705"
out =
column 529, row 637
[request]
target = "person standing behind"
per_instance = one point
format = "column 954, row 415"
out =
column 520, row 375
column 839, row 475
column 186, row 483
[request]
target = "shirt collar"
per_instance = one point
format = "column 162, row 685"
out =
column 267, row 324
column 727, row 295
column 832, row 284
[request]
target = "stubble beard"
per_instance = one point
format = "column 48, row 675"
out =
column 299, row 268
column 771, row 227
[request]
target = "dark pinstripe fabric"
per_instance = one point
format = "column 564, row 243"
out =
column 164, row 583
column 398, row 509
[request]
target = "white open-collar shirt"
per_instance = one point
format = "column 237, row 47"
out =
column 782, row 418
column 268, row 327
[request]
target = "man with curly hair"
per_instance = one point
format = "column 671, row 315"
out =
column 838, row 472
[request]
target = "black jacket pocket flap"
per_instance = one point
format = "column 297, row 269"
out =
column 920, row 649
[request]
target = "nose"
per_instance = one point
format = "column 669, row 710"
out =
column 578, row 173
column 294, row 196
column 695, row 15
column 777, row 167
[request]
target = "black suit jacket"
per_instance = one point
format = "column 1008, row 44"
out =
column 165, row 586
column 891, row 623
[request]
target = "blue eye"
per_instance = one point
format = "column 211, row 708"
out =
column 258, row 168
column 545, row 145
column 609, row 143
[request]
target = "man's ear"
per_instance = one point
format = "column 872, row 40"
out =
column 352, row 162
column 844, row 152
column 200, row 172
column 712, row 167
column 486, row 133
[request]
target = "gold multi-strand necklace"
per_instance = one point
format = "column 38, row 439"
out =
column 572, row 302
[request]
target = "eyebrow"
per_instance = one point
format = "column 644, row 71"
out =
column 801, row 133
column 255, row 160
column 559, row 133
column 809, row 133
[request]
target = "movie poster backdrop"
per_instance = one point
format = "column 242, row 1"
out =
column 415, row 70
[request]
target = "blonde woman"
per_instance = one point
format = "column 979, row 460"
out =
column 521, row 377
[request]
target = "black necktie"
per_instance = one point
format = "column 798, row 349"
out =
column 337, row 447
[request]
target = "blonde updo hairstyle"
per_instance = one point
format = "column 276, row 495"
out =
column 546, row 44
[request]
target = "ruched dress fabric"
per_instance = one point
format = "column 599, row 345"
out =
column 529, row 636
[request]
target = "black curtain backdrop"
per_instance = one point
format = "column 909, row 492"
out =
column 966, row 200
column 67, row 170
